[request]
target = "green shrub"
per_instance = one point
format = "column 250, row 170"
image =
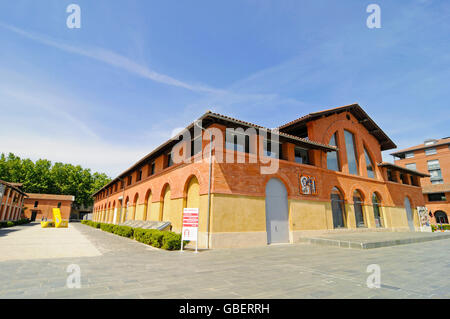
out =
column 124, row 231
column 171, row 241
column 10, row 224
column 107, row 227
column 439, row 227
column 160, row 239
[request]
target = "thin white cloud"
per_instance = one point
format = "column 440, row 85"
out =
column 113, row 59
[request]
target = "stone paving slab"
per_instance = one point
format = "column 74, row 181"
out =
column 370, row 240
column 128, row 269
column 31, row 241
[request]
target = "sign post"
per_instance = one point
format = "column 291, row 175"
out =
column 190, row 226
column 424, row 223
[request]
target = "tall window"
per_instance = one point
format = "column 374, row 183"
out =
column 351, row 153
column 196, row 145
column 337, row 208
column 272, row 148
column 36, row 203
column 357, row 204
column 139, row 175
column 369, row 165
column 169, row 159
column 376, row 210
column 301, row 155
column 236, row 141
column 151, row 170
column 434, row 168
column 332, row 157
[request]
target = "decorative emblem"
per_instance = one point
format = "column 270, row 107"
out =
column 308, row 185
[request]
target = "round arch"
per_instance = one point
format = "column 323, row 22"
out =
column 277, row 211
column 441, row 217
column 409, row 213
column 166, row 203
column 337, row 198
column 148, row 204
column 192, row 193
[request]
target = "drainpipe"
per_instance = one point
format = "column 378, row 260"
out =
column 209, row 184
column 123, row 199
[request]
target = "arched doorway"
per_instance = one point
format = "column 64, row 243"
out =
column 376, row 204
column 277, row 212
column 134, row 208
column 441, row 217
column 148, row 206
column 127, row 206
column 409, row 214
column 357, row 205
column 192, row 194
column 166, row 204
column 337, row 208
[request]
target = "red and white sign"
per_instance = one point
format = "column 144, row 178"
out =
column 190, row 224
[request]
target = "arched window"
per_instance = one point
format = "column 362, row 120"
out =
column 369, row 165
column 337, row 208
column 357, row 204
column 352, row 158
column 332, row 157
column 441, row 217
column 149, row 206
column 377, row 210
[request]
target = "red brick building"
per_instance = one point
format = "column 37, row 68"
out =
column 11, row 201
column 38, row 206
column 320, row 173
column 432, row 156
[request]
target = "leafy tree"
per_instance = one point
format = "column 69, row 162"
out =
column 61, row 179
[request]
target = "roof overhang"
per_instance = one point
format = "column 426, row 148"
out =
column 363, row 118
column 206, row 120
column 403, row 169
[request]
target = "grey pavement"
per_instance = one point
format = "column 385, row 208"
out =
column 124, row 268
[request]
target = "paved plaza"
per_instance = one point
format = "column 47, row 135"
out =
column 116, row 267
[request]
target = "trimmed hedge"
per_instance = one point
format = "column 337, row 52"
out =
column 160, row 239
column 91, row 223
column 439, row 227
column 14, row 223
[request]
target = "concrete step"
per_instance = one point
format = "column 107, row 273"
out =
column 370, row 241
column 160, row 225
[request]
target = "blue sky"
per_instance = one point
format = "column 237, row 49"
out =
column 105, row 95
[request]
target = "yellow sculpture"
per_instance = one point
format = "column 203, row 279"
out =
column 57, row 221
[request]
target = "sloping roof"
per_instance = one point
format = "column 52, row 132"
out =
column 33, row 196
column 12, row 185
column 403, row 169
column 436, row 188
column 439, row 142
column 385, row 142
column 216, row 116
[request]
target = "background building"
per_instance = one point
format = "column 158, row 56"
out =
column 38, row 206
column 432, row 156
column 11, row 201
column 330, row 177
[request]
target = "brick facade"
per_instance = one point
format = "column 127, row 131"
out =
column 238, row 190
